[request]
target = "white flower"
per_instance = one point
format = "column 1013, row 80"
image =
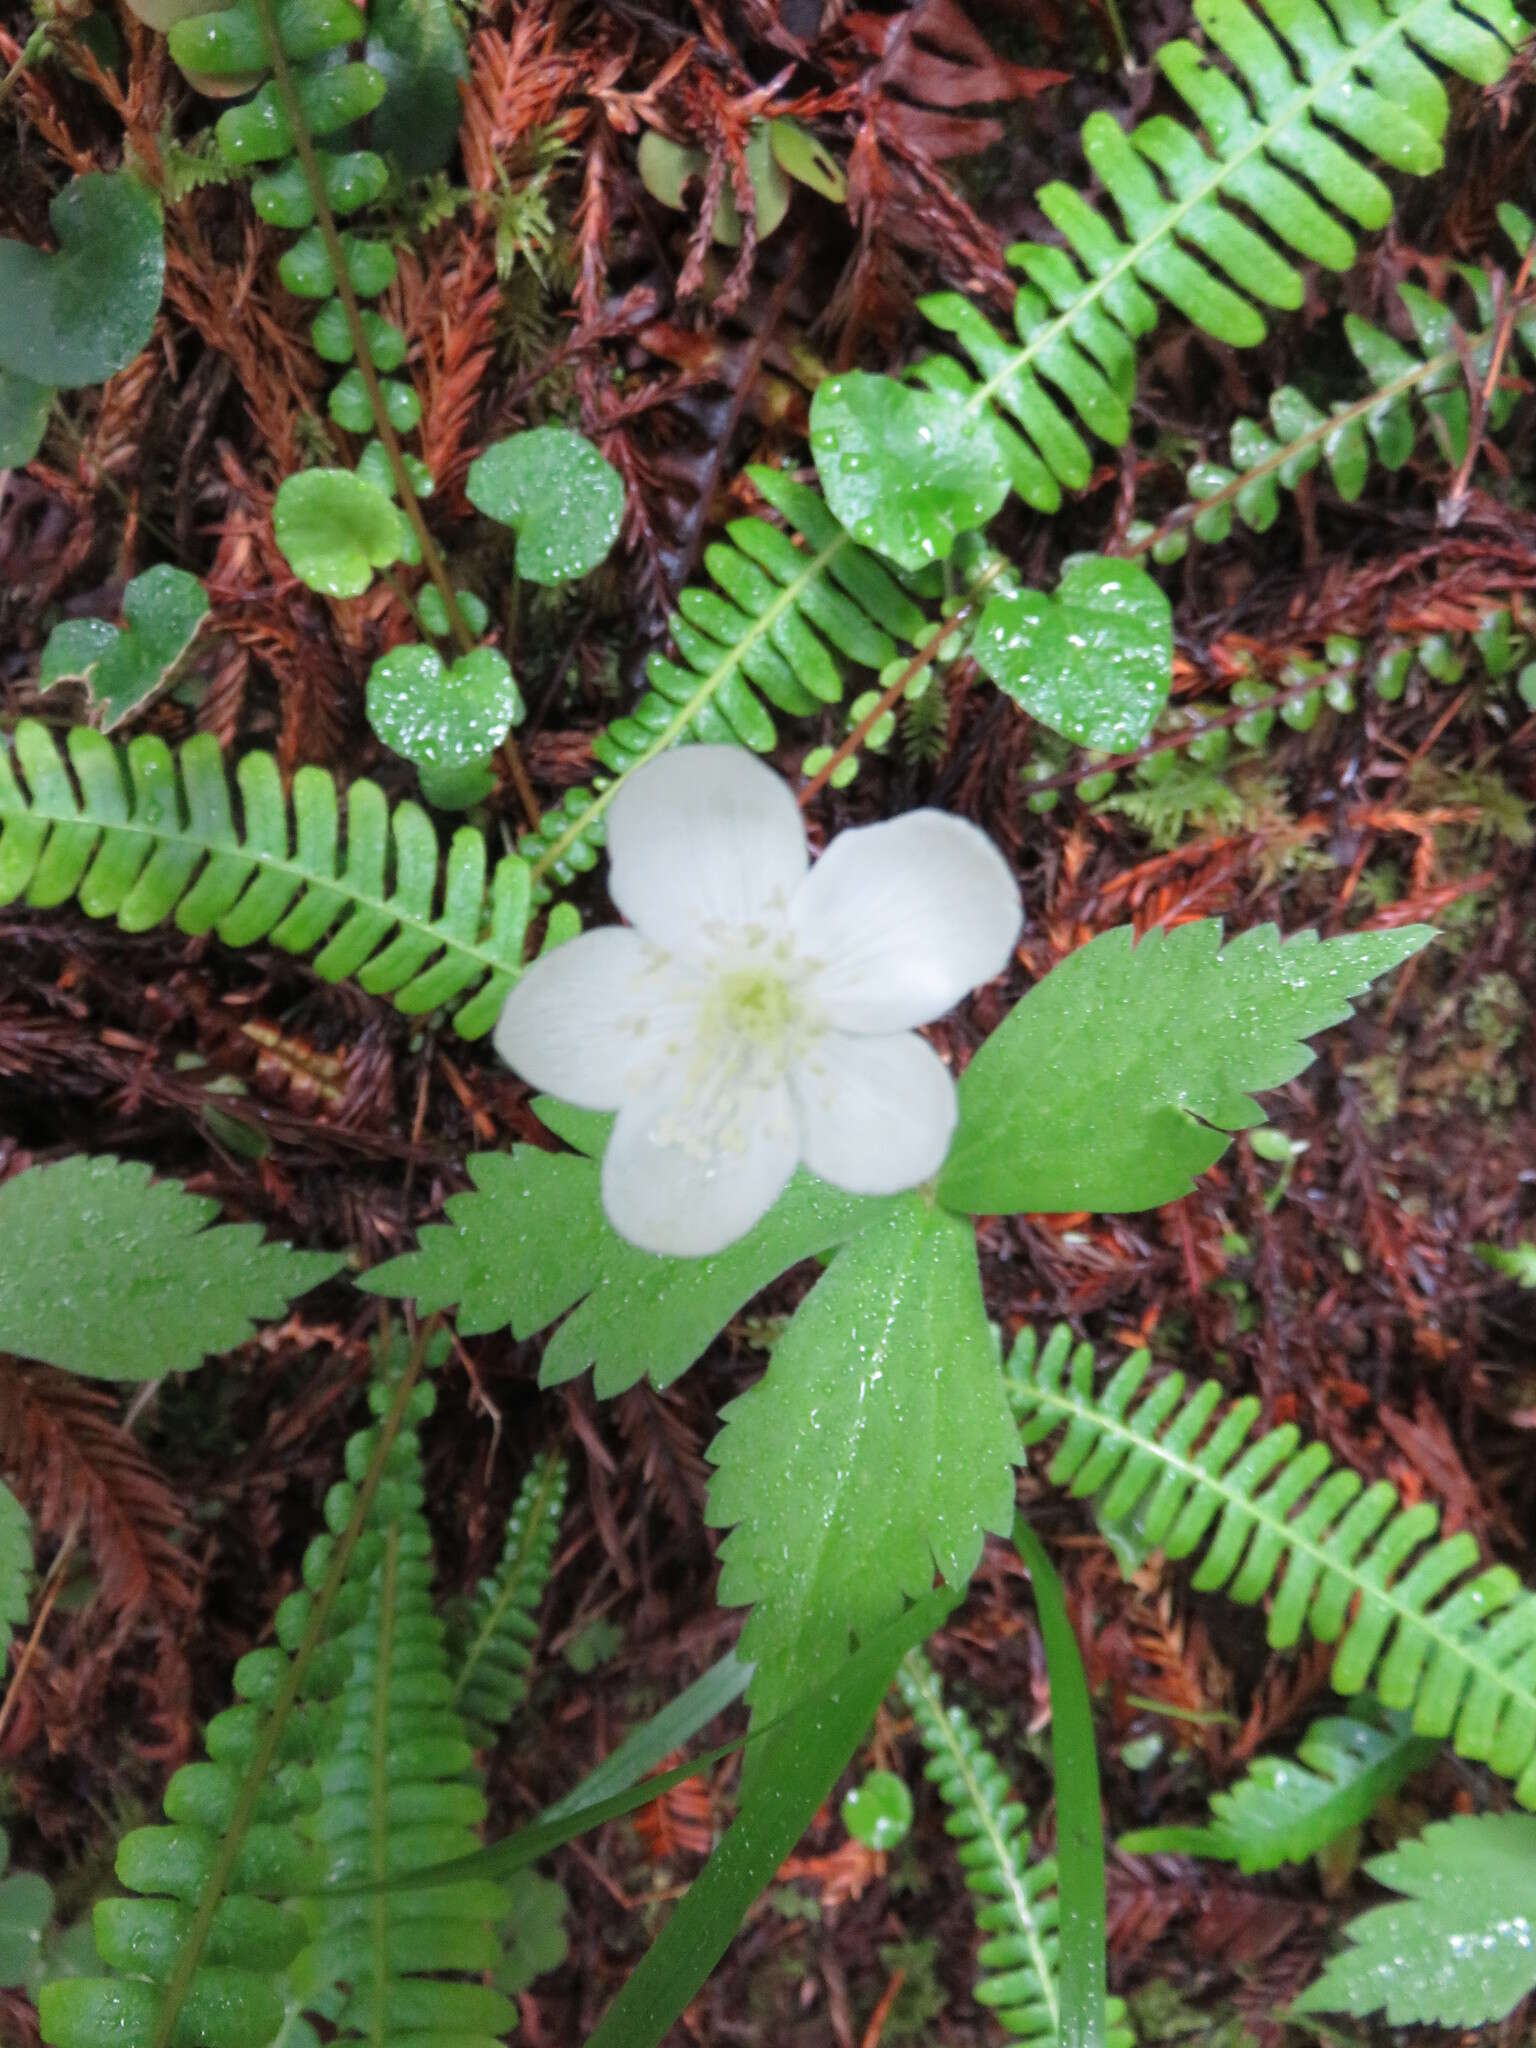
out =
column 760, row 1013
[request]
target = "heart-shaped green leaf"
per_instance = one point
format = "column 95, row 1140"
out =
column 905, row 470
column 83, row 313
column 558, row 494
column 335, row 529
column 23, row 417
column 441, row 717
column 122, row 667
column 419, row 48
column 1093, row 662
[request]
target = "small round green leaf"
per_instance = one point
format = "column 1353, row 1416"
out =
column 123, row 668
column 87, row 310
column 878, row 1813
column 905, row 470
column 335, row 529
column 561, row 498
column 1094, row 662
column 439, row 717
column 808, row 161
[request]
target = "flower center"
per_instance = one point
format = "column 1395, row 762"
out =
column 755, row 1005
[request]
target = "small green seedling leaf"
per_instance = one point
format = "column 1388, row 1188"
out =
column 26, row 1907
column 905, row 471
column 1455, row 1950
column 87, row 310
column 807, row 161
column 417, row 47
column 123, row 667
column 113, row 1275
column 23, row 418
column 1094, row 662
column 335, row 529
column 533, row 1940
column 1516, row 1262
column 443, row 718
column 15, row 1571
column 878, row 1812
column 564, row 502
column 1153, row 1052
column 666, row 169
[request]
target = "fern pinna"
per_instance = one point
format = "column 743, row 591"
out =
column 1421, row 1621
column 1018, row 1909
column 142, row 835
column 491, row 1657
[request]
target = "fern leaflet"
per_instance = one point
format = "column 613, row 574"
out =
column 1431, row 1631
column 1017, row 1904
column 490, row 1670
column 143, row 835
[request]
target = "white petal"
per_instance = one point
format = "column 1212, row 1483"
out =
column 703, row 836
column 688, row 1199
column 876, row 1114
column 904, row 918
column 589, row 1021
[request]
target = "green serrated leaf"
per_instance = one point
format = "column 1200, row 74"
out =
column 417, row 48
column 89, row 309
column 1153, row 1052
column 531, row 1242
column 443, row 718
column 883, row 1422
column 24, row 407
column 334, row 529
column 905, row 471
column 1094, row 661
column 534, row 1940
column 15, row 1573
column 1457, row 1951
column 564, row 502
column 123, row 667
column 115, row 1276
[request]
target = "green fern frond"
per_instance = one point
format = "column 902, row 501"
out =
column 490, row 1674
column 396, row 1794
column 202, row 1953
column 1431, row 1630
column 775, row 623
column 1018, row 1909
column 1267, row 459
column 143, row 835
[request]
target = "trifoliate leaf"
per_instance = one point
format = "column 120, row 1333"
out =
column 874, row 1450
column 1094, row 661
column 1117, row 1079
column 1459, row 1950
column 417, row 47
column 1287, row 1809
column 666, row 169
column 563, row 500
column 122, row 667
column 23, row 418
column 15, row 1570
column 443, row 718
column 85, row 311
column 335, row 529
column 905, row 470
column 110, row 1274
column 531, row 1241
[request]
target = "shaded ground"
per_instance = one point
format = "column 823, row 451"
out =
column 1354, row 1305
